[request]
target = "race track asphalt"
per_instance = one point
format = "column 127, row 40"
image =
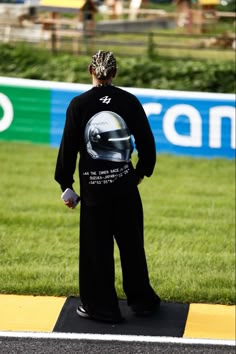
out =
column 68, row 346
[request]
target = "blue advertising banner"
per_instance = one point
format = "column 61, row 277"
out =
column 183, row 123
column 191, row 123
column 59, row 102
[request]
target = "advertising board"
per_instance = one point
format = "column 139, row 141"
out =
column 183, row 123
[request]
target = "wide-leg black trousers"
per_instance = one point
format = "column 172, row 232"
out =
column 120, row 220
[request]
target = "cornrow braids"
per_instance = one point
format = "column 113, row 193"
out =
column 103, row 64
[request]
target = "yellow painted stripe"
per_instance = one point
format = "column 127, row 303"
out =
column 211, row 322
column 77, row 4
column 209, row 2
column 29, row 313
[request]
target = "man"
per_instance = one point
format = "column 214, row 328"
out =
column 99, row 124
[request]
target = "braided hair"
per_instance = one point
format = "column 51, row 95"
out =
column 103, row 64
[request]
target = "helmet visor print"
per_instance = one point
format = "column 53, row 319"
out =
column 108, row 138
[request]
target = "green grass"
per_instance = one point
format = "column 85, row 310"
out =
column 189, row 209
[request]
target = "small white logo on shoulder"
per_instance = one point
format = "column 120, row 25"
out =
column 105, row 99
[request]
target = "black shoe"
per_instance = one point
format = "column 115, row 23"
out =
column 82, row 312
column 111, row 317
column 144, row 310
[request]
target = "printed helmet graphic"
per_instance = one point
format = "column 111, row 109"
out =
column 107, row 137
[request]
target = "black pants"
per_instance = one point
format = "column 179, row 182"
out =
column 122, row 220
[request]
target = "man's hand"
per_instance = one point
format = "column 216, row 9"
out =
column 71, row 199
column 70, row 204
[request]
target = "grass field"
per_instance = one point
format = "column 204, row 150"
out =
column 189, row 209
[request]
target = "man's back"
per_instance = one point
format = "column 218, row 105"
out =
column 106, row 117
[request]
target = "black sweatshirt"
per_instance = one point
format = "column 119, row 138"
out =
column 98, row 122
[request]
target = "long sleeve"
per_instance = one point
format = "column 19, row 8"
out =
column 145, row 143
column 69, row 148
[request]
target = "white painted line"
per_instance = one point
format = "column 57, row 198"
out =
column 43, row 84
column 114, row 337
